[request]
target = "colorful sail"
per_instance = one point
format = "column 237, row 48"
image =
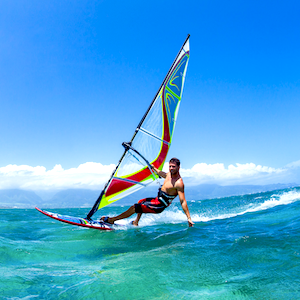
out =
column 152, row 138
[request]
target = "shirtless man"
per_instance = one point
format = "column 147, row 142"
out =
column 173, row 186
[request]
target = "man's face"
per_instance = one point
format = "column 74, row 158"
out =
column 173, row 168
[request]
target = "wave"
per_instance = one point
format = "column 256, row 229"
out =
column 220, row 210
column 284, row 198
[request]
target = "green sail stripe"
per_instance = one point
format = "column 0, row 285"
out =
column 171, row 92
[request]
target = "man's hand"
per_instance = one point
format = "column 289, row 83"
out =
column 191, row 223
column 158, row 172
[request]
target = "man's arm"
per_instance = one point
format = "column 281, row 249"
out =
column 184, row 205
column 159, row 172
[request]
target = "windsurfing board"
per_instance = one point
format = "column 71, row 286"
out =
column 100, row 225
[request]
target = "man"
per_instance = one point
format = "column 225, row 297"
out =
column 172, row 186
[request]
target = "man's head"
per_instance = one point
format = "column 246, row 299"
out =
column 174, row 165
column 175, row 161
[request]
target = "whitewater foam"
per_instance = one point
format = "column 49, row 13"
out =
column 275, row 200
column 174, row 215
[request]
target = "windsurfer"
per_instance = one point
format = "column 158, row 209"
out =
column 172, row 186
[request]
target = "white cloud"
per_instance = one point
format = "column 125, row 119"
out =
column 295, row 164
column 92, row 175
column 248, row 173
column 89, row 175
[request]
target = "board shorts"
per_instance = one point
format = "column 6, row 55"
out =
column 154, row 205
column 149, row 206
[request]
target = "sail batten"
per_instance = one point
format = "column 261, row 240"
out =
column 130, row 181
column 152, row 138
column 153, row 135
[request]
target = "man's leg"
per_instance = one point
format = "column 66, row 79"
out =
column 136, row 221
column 126, row 214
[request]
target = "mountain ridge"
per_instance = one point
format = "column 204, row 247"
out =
column 17, row 198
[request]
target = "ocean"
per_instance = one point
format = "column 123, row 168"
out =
column 241, row 247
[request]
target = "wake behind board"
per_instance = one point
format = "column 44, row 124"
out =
column 100, row 225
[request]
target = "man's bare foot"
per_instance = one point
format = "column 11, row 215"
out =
column 107, row 220
column 134, row 223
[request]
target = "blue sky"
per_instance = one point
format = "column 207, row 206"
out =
column 76, row 77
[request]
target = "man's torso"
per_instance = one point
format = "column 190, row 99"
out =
column 170, row 185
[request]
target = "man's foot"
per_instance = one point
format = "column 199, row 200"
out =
column 134, row 223
column 107, row 220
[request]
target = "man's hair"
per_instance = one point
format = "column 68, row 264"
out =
column 175, row 161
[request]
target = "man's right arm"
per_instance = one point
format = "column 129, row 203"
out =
column 159, row 172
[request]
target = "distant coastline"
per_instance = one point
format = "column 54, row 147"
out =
column 84, row 198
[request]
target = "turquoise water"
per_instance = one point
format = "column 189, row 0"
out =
column 244, row 247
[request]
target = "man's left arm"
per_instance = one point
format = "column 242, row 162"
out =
column 184, row 205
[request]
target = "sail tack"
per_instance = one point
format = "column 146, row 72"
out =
column 152, row 138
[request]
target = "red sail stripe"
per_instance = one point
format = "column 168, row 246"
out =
column 118, row 185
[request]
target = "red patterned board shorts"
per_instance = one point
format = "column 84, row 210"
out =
column 149, row 206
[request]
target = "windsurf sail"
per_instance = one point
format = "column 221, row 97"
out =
column 151, row 140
